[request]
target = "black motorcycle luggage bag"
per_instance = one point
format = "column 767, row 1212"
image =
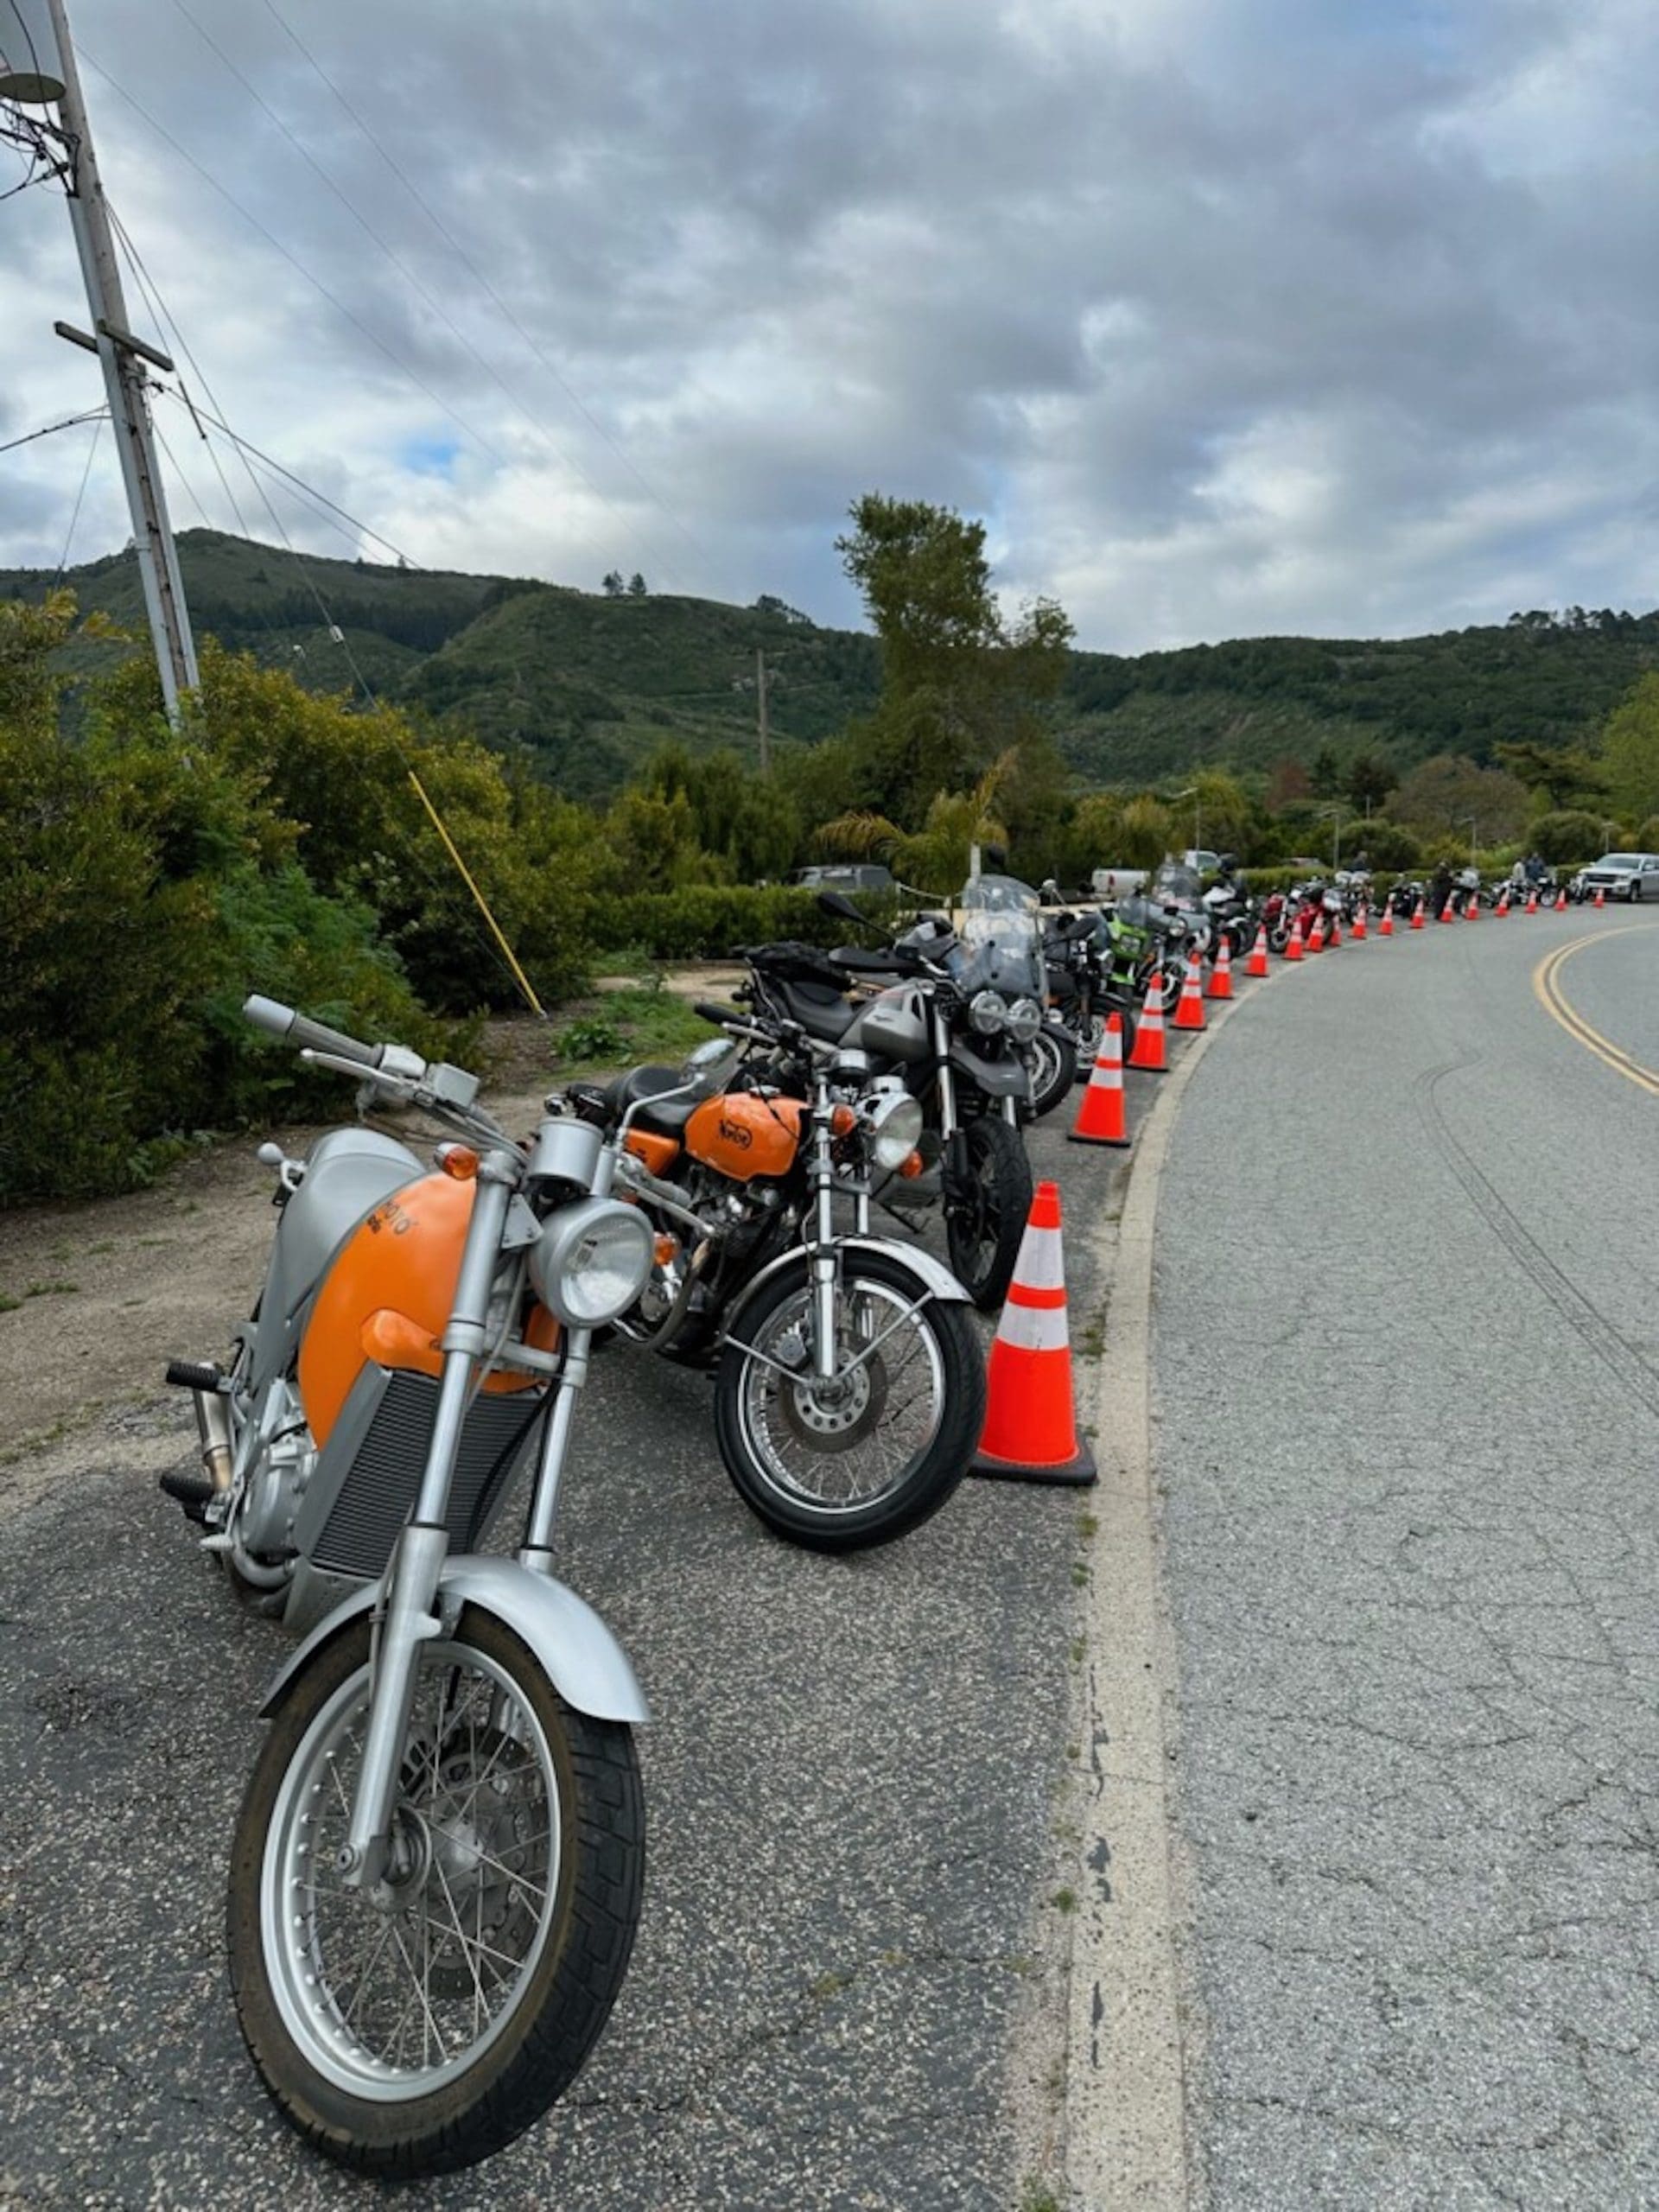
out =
column 792, row 962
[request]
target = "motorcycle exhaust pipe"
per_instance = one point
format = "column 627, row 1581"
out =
column 214, row 1426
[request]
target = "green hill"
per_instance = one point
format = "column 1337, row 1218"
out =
column 588, row 683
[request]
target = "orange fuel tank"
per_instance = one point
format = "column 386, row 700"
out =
column 388, row 1295
column 745, row 1136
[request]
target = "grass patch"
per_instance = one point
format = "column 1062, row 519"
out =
column 1037, row 2196
column 621, row 1028
column 1088, row 1525
column 1064, row 1900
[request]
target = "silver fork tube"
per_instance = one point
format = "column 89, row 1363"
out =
column 537, row 1551
column 406, row 1616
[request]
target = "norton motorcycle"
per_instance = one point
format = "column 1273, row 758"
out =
column 436, row 1870
column 849, row 1382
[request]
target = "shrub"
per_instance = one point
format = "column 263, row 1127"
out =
column 1567, row 835
column 707, row 921
column 1647, row 836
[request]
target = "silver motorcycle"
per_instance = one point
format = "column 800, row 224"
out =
column 436, row 1872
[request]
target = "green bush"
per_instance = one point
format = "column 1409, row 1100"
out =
column 1562, row 836
column 708, row 921
column 1647, row 836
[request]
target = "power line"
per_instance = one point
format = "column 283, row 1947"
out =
column 98, row 421
column 408, row 275
column 91, row 415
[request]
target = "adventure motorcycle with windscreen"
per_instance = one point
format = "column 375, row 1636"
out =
column 435, row 1875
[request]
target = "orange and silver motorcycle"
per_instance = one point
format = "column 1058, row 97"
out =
column 849, row 1381
column 435, row 1875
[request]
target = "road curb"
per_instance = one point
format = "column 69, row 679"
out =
column 1129, row 2034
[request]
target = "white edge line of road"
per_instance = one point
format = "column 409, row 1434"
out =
column 1130, row 2032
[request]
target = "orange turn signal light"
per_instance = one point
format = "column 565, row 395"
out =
column 842, row 1120
column 459, row 1160
column 910, row 1168
column 665, row 1248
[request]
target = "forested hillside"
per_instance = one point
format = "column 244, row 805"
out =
column 590, row 683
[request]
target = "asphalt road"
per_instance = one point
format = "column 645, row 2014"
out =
column 1406, row 1377
column 843, row 1989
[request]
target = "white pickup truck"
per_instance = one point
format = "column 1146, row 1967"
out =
column 1109, row 884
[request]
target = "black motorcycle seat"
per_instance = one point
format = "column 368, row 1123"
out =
column 821, row 1013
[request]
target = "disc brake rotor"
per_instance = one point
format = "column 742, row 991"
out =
column 837, row 1415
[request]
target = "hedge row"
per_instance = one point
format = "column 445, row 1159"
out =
column 710, row 922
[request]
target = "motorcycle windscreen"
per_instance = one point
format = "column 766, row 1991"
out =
column 388, row 1296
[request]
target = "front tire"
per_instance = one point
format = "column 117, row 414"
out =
column 422, row 2037
column 986, row 1210
column 840, row 1465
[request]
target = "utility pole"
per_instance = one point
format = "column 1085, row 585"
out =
column 762, row 722
column 51, row 76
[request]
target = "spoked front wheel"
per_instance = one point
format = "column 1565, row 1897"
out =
column 418, row 2028
column 842, row 1462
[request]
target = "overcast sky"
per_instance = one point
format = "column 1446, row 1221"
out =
column 1230, row 317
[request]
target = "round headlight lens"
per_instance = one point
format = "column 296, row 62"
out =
column 988, row 1010
column 1025, row 1019
column 591, row 1262
column 895, row 1127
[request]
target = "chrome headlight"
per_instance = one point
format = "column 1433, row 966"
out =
column 988, row 1010
column 893, row 1122
column 591, row 1262
column 1025, row 1019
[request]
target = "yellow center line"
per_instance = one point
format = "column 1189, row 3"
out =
column 1547, row 987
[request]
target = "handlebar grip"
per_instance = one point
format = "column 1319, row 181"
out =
column 306, row 1035
column 718, row 1014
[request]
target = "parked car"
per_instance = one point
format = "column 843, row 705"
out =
column 1110, row 884
column 1623, row 875
column 850, row 876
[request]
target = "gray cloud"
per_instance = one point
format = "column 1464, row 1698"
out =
column 1229, row 316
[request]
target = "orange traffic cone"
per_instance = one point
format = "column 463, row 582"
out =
column 1446, row 914
column 1258, row 962
column 1471, row 907
column 1149, row 1055
column 1294, row 944
column 1333, row 936
column 1101, row 1118
column 1031, row 1430
column 1532, row 902
column 1358, row 932
column 1502, row 910
column 1221, row 976
column 1189, row 1007
column 1600, row 899
column 1560, row 902
column 1385, row 927
column 1316, row 935
column 1417, row 916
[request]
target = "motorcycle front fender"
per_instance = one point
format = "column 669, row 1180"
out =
column 579, row 1655
column 931, row 1276
column 996, row 1079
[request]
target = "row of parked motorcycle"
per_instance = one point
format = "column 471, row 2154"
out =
column 435, row 1875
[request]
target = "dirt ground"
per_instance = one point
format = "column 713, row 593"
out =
column 110, row 1290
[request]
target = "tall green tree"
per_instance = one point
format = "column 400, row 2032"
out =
column 960, row 683
column 1629, row 752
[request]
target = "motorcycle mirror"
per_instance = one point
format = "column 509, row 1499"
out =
column 838, row 904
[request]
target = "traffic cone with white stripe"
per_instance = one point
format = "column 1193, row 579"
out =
column 1601, row 898
column 1189, row 1007
column 1358, row 932
column 1417, row 922
column 1101, row 1117
column 1316, row 935
column 1471, row 907
column 1532, row 902
column 1031, row 1427
column 1294, row 944
column 1385, row 926
column 1258, row 962
column 1221, row 976
column 1446, row 914
column 1560, row 902
column 1333, row 935
column 1500, row 912
column 1150, row 1055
